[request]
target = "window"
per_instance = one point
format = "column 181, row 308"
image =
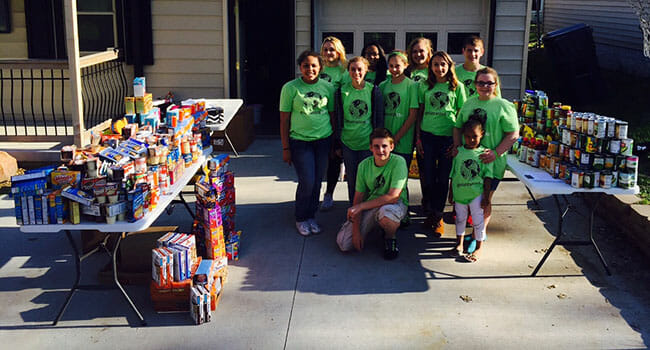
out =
column 5, row 17
column 410, row 36
column 347, row 38
column 386, row 40
column 455, row 42
column 97, row 25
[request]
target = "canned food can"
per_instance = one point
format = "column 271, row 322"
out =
column 626, row 180
column 577, row 177
column 577, row 156
column 598, row 162
column 562, row 171
column 596, row 179
column 631, row 164
column 566, row 136
column 552, row 148
column 590, row 144
column 580, row 141
column 609, row 162
column 585, row 124
column 606, row 179
column 626, row 147
column 621, row 129
column 574, row 121
column 522, row 153
column 615, row 177
column 620, row 162
column 614, row 146
column 585, row 160
column 590, row 125
column 601, row 129
column 611, row 127
column 588, row 180
column 536, row 155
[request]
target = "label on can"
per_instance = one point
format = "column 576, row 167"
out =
column 585, row 159
column 598, row 162
column 621, row 129
column 631, row 163
column 590, row 126
column 605, row 180
column 626, row 147
column 614, row 146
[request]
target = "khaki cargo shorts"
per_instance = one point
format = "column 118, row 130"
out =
column 369, row 222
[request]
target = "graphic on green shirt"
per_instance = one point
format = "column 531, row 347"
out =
column 467, row 174
column 309, row 105
column 357, row 112
column 376, row 181
column 370, row 77
column 440, row 107
column 334, row 75
column 398, row 100
column 500, row 117
column 419, row 75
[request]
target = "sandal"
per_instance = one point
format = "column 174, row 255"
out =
column 472, row 258
column 455, row 252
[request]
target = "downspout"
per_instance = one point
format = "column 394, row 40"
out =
column 491, row 30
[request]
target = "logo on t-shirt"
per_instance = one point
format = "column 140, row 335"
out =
column 326, row 77
column 417, row 78
column 439, row 99
column 380, row 181
column 470, row 169
column 358, row 108
column 469, row 84
column 392, row 101
column 312, row 100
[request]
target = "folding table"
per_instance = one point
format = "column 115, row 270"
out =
column 230, row 107
column 122, row 229
column 539, row 181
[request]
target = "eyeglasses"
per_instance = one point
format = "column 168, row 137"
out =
column 480, row 83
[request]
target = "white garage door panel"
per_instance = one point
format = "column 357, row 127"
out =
column 400, row 17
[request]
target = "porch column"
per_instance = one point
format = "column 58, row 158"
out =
column 74, row 71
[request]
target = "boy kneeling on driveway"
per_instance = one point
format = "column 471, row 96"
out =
column 380, row 199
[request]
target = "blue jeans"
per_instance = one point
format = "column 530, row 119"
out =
column 351, row 159
column 310, row 161
column 436, row 168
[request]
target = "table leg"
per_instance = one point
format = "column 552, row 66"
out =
column 75, row 286
column 230, row 143
column 591, row 233
column 560, row 233
column 119, row 285
column 532, row 196
column 187, row 206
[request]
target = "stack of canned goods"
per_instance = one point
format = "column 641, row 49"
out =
column 586, row 150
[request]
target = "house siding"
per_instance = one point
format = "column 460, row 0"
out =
column 510, row 51
column 14, row 44
column 617, row 35
column 188, row 49
column 303, row 28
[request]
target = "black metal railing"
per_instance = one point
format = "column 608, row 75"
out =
column 104, row 87
column 35, row 96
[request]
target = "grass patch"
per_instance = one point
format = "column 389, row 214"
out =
column 644, row 184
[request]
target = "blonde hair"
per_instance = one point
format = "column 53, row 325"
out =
column 489, row 70
column 358, row 59
column 338, row 47
column 451, row 77
column 427, row 44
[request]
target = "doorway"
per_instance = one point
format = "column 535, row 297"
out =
column 262, row 48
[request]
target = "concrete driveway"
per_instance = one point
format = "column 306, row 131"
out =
column 287, row 291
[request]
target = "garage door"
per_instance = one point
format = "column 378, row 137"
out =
column 394, row 23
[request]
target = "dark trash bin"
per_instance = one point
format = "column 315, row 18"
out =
column 572, row 54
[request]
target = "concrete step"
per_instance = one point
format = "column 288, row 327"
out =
column 34, row 152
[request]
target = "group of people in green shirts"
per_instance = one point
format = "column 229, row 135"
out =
column 371, row 112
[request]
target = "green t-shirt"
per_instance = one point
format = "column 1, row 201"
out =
column 357, row 112
column 440, row 107
column 309, row 105
column 398, row 99
column 501, row 118
column 467, row 174
column 376, row 181
column 467, row 78
column 419, row 75
column 370, row 77
column 334, row 75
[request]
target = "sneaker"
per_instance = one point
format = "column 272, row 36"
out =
column 303, row 228
column 391, row 251
column 314, row 228
column 328, row 202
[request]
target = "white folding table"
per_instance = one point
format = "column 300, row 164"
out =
column 121, row 229
column 230, row 108
column 539, row 181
